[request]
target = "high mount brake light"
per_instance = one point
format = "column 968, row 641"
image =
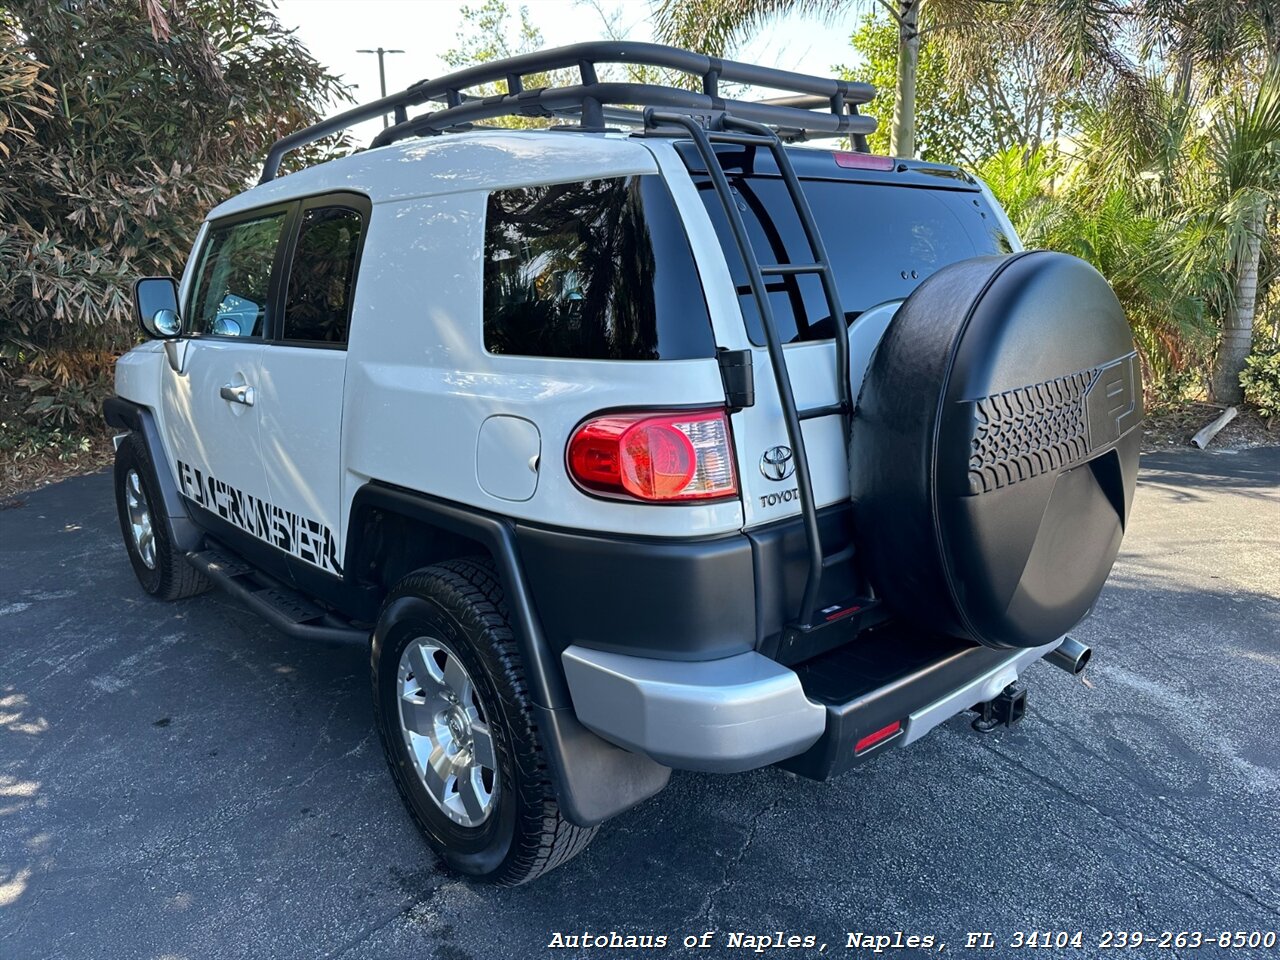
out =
column 655, row 457
column 864, row 161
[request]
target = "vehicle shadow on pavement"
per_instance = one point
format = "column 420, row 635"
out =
column 1195, row 474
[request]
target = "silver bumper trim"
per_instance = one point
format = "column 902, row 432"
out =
column 722, row 716
column 978, row 690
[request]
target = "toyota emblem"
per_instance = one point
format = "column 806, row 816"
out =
column 776, row 463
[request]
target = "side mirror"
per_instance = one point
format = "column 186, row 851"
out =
column 155, row 301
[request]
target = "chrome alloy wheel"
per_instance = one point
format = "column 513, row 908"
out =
column 144, row 537
column 446, row 731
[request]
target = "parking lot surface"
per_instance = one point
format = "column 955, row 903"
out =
column 182, row 781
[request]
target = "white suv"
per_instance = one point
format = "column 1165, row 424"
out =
column 637, row 443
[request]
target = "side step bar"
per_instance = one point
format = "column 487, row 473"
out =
column 287, row 611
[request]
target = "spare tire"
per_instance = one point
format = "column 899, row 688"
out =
column 994, row 450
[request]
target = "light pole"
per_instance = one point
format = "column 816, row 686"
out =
column 382, row 73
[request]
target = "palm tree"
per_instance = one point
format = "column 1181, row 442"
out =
column 1231, row 44
column 1241, row 182
column 1077, row 37
column 1173, row 208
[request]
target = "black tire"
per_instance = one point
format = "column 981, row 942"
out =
column 461, row 603
column 169, row 576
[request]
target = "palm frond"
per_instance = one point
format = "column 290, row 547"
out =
column 714, row 26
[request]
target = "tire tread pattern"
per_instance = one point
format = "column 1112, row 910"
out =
column 1022, row 433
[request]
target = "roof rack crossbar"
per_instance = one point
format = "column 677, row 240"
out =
column 552, row 99
column 591, row 95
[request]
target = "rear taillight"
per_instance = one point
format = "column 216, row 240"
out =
column 655, row 457
column 863, row 161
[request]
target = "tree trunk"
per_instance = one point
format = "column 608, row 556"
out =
column 902, row 134
column 1237, row 326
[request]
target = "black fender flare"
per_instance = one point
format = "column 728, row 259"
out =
column 594, row 779
column 137, row 419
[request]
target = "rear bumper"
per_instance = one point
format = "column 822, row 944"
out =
column 695, row 599
column 931, row 681
column 747, row 711
column 722, row 716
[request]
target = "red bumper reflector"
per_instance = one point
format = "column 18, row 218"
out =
column 842, row 613
column 880, row 736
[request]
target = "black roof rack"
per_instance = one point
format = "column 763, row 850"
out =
column 592, row 101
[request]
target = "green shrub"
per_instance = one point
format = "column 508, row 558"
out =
column 1261, row 381
column 20, row 441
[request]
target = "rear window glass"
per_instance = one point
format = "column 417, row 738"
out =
column 883, row 241
column 595, row 270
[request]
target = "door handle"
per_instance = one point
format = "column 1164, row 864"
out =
column 237, row 394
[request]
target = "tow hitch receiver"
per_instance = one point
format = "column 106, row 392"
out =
column 1005, row 710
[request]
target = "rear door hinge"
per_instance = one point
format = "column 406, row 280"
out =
column 738, row 377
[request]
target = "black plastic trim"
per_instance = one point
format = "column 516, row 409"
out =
column 781, row 551
column 667, row 599
column 738, row 378
column 125, row 414
column 546, row 680
column 688, row 599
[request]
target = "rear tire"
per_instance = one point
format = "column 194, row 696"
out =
column 502, row 823
column 161, row 569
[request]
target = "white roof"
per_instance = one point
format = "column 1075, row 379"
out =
column 457, row 163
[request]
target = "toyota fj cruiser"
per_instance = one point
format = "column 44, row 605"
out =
column 640, row 442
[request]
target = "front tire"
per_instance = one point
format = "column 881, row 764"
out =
column 161, row 569
column 457, row 727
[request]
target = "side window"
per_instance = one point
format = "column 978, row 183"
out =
column 231, row 293
column 322, row 277
column 599, row 270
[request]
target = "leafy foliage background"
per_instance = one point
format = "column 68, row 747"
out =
column 121, row 124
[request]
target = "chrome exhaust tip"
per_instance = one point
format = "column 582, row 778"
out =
column 1070, row 655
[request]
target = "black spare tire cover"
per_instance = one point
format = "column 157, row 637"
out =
column 994, row 450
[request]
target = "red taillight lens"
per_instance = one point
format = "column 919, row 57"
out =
column 655, row 457
column 864, row 161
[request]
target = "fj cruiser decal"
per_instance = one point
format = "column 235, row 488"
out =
column 305, row 539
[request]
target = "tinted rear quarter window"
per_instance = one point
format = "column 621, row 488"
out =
column 883, row 241
column 594, row 270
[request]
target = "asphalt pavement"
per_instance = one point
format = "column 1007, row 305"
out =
column 180, row 781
